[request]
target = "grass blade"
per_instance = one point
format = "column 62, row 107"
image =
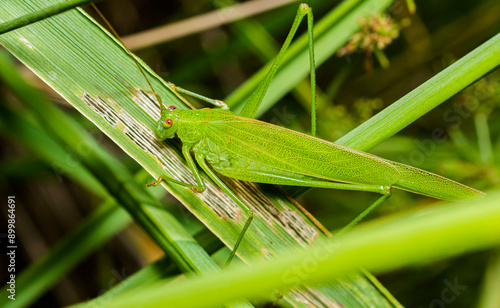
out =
column 418, row 102
column 385, row 244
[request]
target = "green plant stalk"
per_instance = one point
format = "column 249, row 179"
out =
column 483, row 137
column 42, row 14
column 18, row 127
column 39, row 277
column 153, row 273
column 21, row 168
column 382, row 245
column 490, row 298
column 105, row 222
column 418, row 102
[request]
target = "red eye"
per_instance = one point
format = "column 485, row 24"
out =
column 167, row 123
column 171, row 107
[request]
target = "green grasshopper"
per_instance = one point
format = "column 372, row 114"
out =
column 240, row 147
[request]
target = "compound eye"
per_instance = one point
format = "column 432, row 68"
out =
column 171, row 107
column 167, row 123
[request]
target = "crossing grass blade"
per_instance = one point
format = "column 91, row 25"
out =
column 385, row 244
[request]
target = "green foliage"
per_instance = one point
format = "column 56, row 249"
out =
column 91, row 70
column 442, row 231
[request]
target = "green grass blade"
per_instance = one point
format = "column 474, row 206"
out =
column 16, row 126
column 105, row 222
column 42, row 14
column 418, row 102
column 98, row 228
column 153, row 273
column 434, row 233
column 490, row 298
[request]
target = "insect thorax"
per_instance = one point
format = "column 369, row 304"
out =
column 215, row 155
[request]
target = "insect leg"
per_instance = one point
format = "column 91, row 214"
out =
column 252, row 105
column 186, row 151
column 200, row 187
column 132, row 56
column 201, row 161
column 384, row 190
column 215, row 102
column 290, row 180
column 363, row 214
column 166, row 178
column 381, row 189
column 312, row 72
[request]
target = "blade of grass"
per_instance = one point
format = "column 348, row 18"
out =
column 19, row 128
column 434, row 233
column 490, row 298
column 418, row 102
column 105, row 221
column 42, row 14
column 153, row 273
column 39, row 277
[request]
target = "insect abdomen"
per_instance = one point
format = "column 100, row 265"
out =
column 239, row 167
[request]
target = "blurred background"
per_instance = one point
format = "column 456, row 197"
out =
column 400, row 51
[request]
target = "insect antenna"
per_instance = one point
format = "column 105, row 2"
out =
column 110, row 27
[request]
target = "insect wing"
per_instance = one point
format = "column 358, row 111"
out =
column 246, row 145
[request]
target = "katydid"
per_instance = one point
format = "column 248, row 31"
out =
column 240, row 147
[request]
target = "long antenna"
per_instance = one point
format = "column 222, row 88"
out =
column 110, row 27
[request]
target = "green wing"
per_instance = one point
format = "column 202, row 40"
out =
column 430, row 184
column 256, row 151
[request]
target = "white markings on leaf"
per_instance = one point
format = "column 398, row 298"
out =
column 100, row 107
column 26, row 42
column 153, row 109
column 53, row 75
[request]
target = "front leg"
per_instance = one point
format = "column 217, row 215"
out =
column 200, row 187
column 203, row 164
column 186, row 150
